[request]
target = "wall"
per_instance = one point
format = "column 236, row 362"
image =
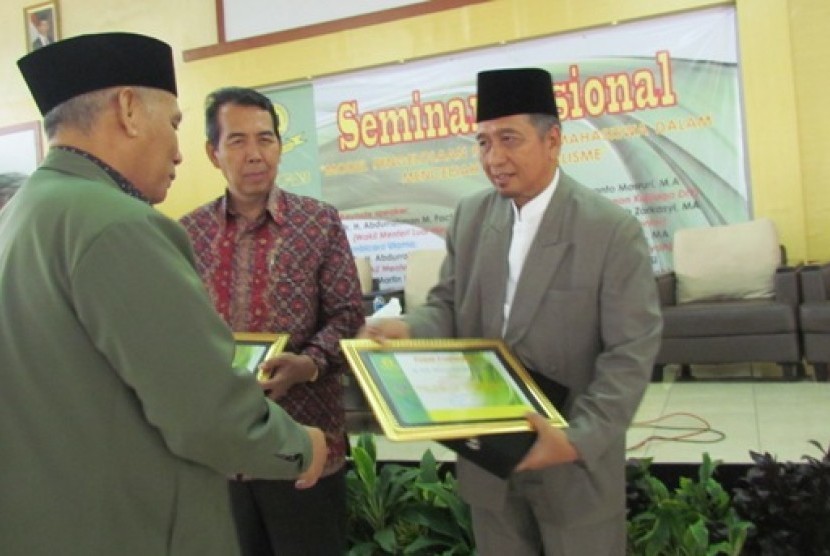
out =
column 811, row 73
column 783, row 45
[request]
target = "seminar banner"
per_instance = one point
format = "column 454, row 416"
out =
column 651, row 115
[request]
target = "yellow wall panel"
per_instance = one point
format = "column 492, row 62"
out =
column 809, row 23
column 771, row 119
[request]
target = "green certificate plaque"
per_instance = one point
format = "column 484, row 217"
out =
column 443, row 389
column 253, row 348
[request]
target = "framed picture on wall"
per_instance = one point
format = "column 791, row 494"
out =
column 42, row 23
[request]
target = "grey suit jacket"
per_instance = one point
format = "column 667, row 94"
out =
column 585, row 314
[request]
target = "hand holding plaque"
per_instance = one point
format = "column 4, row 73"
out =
column 471, row 395
column 253, row 348
column 444, row 389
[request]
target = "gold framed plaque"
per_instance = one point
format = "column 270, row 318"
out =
column 446, row 388
column 252, row 348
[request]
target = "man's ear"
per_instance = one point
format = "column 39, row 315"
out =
column 127, row 110
column 554, row 135
column 211, row 153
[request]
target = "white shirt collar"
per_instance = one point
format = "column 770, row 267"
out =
column 535, row 208
column 525, row 226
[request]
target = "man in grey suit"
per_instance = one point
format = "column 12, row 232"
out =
column 564, row 277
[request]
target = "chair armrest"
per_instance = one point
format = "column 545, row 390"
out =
column 667, row 288
column 786, row 286
column 813, row 285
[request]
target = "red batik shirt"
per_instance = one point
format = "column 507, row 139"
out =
column 291, row 271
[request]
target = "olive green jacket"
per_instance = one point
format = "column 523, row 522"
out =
column 120, row 416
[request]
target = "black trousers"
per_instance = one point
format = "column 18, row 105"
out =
column 273, row 518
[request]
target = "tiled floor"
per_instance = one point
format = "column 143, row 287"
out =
column 752, row 407
column 758, row 413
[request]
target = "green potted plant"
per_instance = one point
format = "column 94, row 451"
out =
column 695, row 519
column 789, row 503
column 396, row 509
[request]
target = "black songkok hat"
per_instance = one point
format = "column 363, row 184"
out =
column 505, row 92
column 71, row 67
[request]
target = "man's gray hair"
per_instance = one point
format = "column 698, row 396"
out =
column 543, row 123
column 80, row 112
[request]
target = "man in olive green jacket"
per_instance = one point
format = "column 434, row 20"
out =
column 120, row 416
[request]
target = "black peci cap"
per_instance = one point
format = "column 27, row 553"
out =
column 71, row 67
column 505, row 92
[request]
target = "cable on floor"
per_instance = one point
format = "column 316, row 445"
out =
column 689, row 436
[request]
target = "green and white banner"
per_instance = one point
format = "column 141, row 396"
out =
column 651, row 114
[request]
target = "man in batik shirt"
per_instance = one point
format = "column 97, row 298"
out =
column 278, row 262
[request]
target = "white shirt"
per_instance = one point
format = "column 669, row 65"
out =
column 526, row 223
